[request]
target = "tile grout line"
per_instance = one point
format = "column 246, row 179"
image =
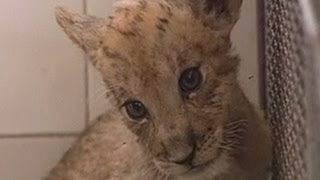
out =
column 38, row 135
column 86, row 78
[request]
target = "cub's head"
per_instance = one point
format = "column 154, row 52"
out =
column 168, row 65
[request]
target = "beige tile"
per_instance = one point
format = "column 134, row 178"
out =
column 246, row 43
column 41, row 72
column 97, row 101
column 99, row 8
column 30, row 159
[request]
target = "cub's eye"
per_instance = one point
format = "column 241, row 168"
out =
column 136, row 110
column 190, row 80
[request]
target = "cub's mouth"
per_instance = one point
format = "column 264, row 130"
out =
column 211, row 155
column 216, row 165
column 207, row 156
column 196, row 163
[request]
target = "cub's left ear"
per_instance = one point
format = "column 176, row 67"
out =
column 218, row 14
column 86, row 31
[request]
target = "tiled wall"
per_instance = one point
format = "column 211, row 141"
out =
column 48, row 93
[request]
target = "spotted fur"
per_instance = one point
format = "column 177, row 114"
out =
column 141, row 51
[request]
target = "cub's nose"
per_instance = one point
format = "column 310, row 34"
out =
column 179, row 146
column 182, row 156
column 187, row 160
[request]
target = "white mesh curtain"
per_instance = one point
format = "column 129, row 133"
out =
column 292, row 65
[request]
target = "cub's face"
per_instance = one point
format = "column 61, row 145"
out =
column 169, row 67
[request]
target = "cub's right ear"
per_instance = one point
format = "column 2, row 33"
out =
column 218, row 14
column 86, row 31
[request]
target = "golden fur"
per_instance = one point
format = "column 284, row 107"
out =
column 141, row 51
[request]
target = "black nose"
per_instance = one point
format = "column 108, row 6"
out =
column 187, row 160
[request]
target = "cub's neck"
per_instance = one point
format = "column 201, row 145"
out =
column 254, row 154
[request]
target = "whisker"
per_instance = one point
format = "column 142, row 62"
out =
column 237, row 131
column 148, row 170
column 236, row 123
column 227, row 148
column 232, row 135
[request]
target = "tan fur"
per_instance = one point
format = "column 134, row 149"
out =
column 141, row 52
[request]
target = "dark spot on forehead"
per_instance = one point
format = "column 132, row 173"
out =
column 163, row 7
column 143, row 4
column 113, row 54
column 173, row 126
column 163, row 20
column 149, row 75
column 166, row 8
column 160, row 27
column 138, row 18
column 169, row 12
column 126, row 33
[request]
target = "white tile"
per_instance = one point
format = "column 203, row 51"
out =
column 98, row 104
column 30, row 159
column 41, row 72
column 245, row 36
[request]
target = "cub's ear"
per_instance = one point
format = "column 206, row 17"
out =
column 218, row 14
column 86, row 31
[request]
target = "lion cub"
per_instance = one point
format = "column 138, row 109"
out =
column 179, row 111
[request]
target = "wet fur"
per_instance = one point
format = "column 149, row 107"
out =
column 141, row 51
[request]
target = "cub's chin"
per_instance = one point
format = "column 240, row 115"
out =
column 211, row 169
